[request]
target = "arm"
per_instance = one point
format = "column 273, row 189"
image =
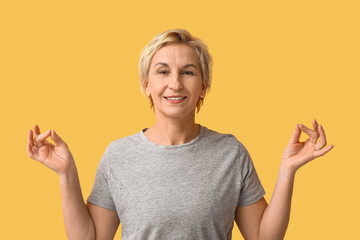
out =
column 259, row 221
column 81, row 221
column 106, row 221
column 84, row 221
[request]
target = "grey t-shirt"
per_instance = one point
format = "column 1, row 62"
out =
column 187, row 191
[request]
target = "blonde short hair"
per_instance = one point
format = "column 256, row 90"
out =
column 176, row 36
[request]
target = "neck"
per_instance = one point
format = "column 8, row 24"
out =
column 173, row 131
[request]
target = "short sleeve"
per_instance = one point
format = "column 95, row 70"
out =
column 100, row 194
column 251, row 188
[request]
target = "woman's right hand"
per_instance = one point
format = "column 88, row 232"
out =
column 56, row 157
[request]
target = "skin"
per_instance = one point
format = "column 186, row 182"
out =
column 263, row 221
column 81, row 221
column 175, row 71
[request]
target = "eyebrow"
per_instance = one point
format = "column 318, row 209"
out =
column 166, row 65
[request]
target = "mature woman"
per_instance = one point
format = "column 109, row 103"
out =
column 176, row 179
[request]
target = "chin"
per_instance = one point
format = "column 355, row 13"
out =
column 175, row 113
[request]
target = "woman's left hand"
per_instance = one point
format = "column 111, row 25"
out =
column 298, row 153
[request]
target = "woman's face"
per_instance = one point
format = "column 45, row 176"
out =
column 175, row 83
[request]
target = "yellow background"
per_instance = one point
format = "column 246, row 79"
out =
column 73, row 66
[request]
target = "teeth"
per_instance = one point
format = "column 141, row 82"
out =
column 175, row 98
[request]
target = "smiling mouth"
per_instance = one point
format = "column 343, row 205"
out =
column 175, row 98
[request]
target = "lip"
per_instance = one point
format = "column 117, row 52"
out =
column 177, row 101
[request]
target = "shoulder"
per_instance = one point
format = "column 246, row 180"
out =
column 124, row 144
column 223, row 139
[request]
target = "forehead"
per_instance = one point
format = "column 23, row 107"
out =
column 176, row 53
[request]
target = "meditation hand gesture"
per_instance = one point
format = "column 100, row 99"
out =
column 298, row 153
column 56, row 157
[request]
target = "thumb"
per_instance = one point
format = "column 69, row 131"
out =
column 57, row 139
column 295, row 137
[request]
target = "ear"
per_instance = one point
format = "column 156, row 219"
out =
column 147, row 89
column 203, row 92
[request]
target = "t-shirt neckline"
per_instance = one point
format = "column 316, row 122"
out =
column 193, row 141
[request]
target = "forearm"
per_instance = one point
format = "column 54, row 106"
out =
column 277, row 214
column 77, row 219
column 276, row 217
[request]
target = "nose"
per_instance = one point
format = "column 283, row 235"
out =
column 175, row 82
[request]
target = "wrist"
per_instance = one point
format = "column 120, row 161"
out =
column 69, row 173
column 286, row 171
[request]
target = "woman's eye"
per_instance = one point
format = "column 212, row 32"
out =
column 188, row 73
column 162, row 72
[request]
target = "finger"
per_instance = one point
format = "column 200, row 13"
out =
column 36, row 130
column 322, row 139
column 31, row 151
column 31, row 148
column 296, row 135
column 315, row 125
column 323, row 151
column 30, row 138
column 57, row 139
column 30, row 143
column 313, row 135
column 40, row 139
column 28, row 150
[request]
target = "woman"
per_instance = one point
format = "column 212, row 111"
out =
column 176, row 179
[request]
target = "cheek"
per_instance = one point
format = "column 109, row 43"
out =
column 198, row 88
column 154, row 89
